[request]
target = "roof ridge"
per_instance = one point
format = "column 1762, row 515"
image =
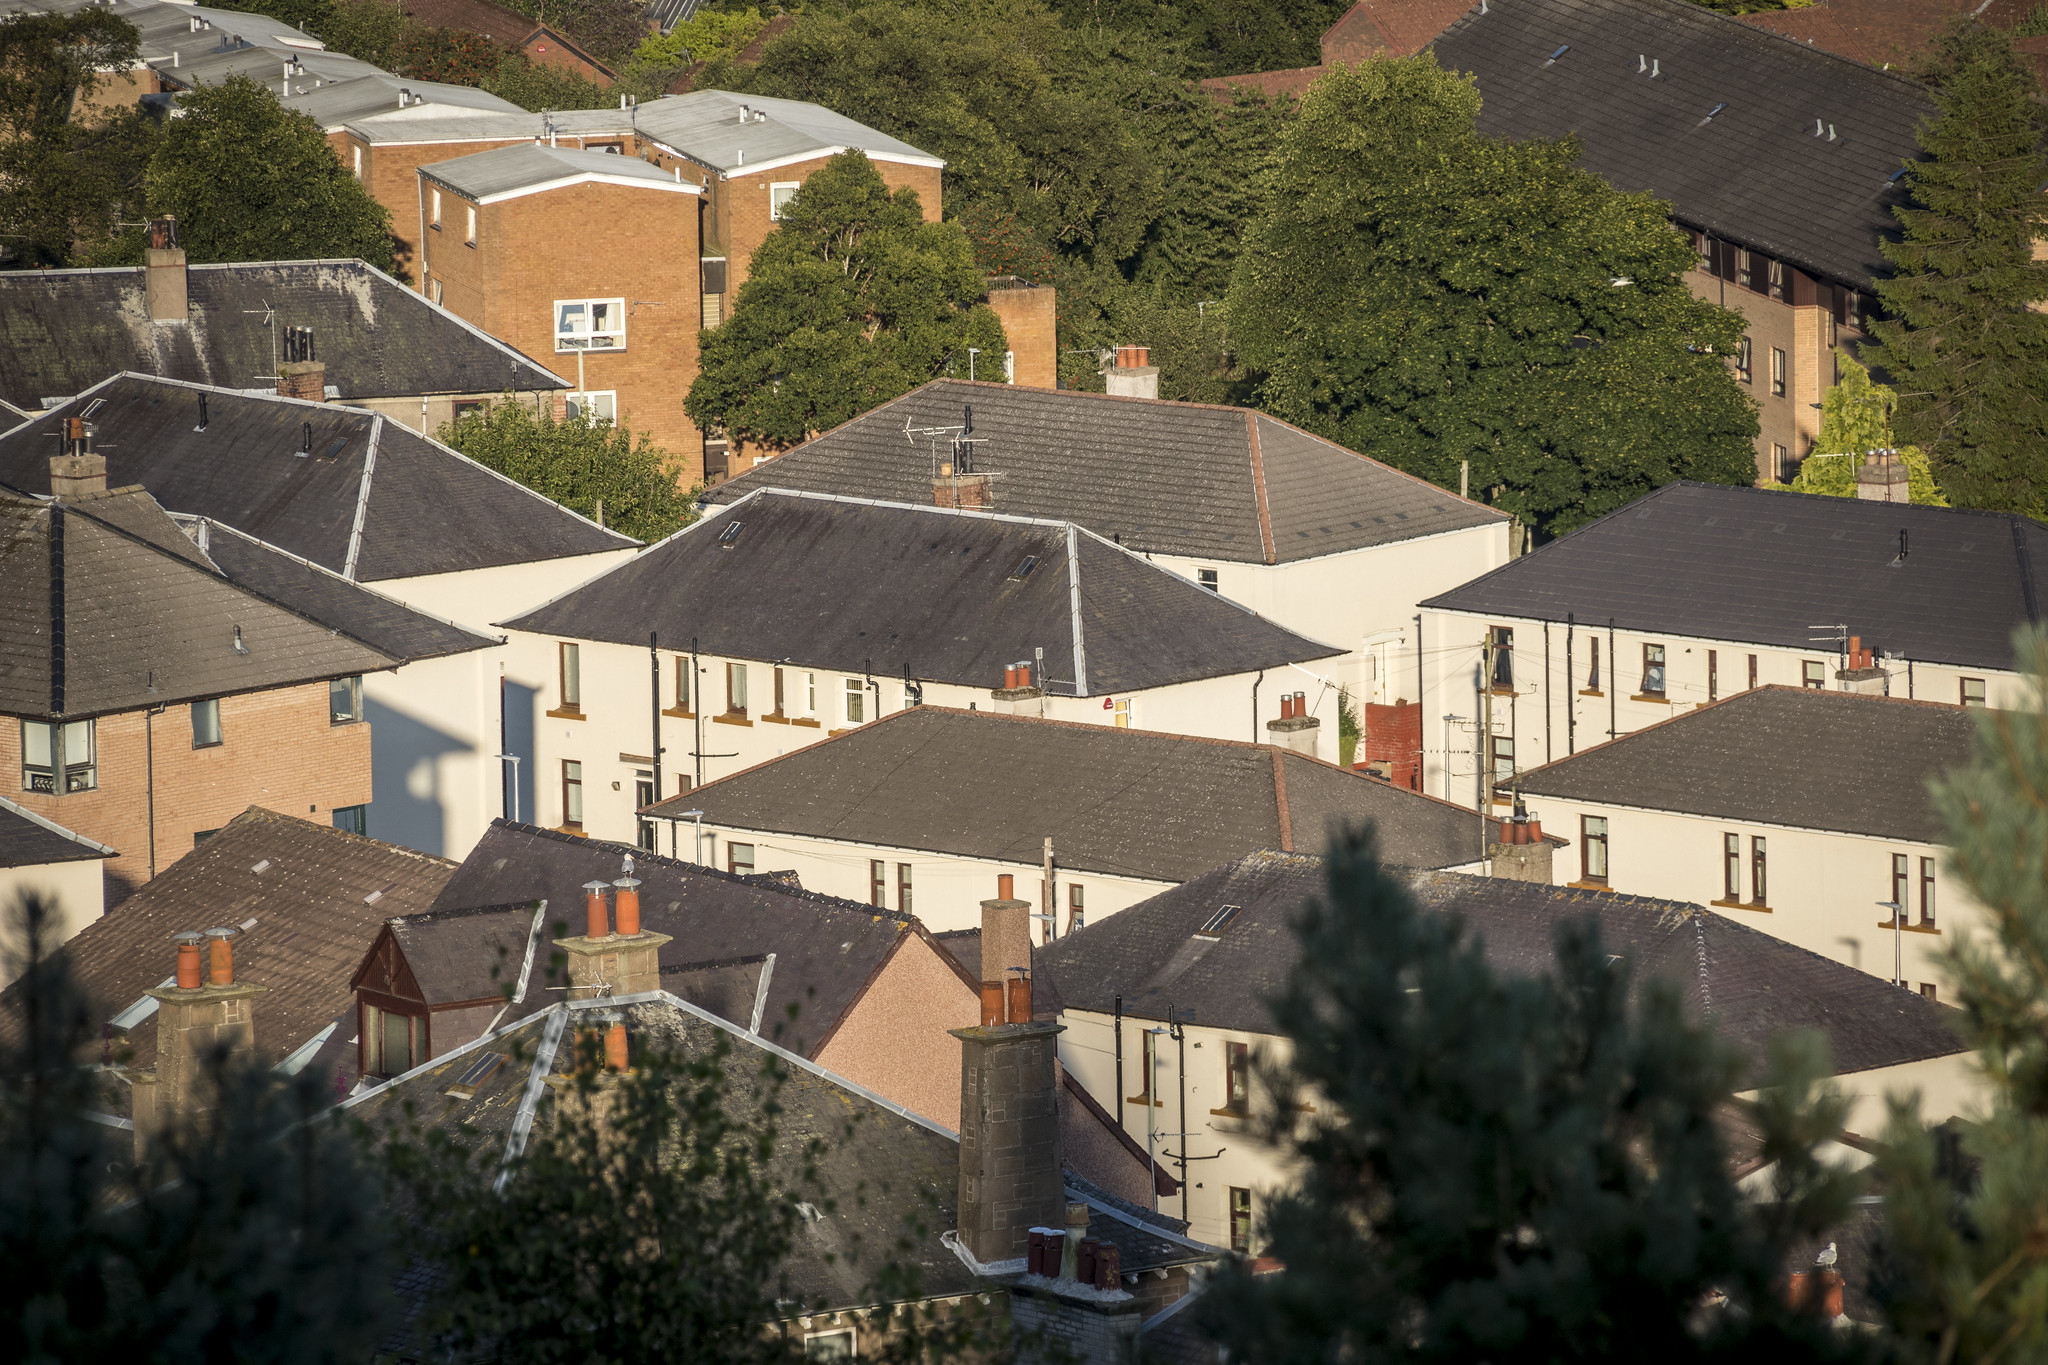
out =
column 1251, row 436
column 355, row 534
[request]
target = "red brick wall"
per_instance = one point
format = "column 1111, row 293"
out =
column 1394, row 733
column 742, row 208
column 1028, row 317
column 391, row 175
column 277, row 750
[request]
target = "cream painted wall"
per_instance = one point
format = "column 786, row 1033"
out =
column 1822, row 887
column 77, row 887
column 1551, row 721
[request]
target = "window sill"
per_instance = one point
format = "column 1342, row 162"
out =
column 217, row 744
column 730, row 719
column 344, row 724
column 774, row 719
column 1910, row 928
column 1503, row 691
column 1587, row 886
column 806, row 722
column 589, row 350
column 1591, row 692
column 1741, row 905
column 1142, row 1100
column 575, row 830
column 433, row 227
column 567, row 713
column 1228, row 1113
column 1659, row 698
column 678, row 713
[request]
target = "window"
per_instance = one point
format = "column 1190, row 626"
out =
column 829, row 1345
column 590, row 324
column 352, row 819
column 1973, row 691
column 1148, row 1064
column 856, row 702
column 1927, row 892
column 1813, row 673
column 736, row 689
column 779, row 195
column 1503, row 759
column 472, row 226
column 1752, row 672
column 1901, row 882
column 1593, row 672
column 778, row 693
column 1775, row 285
column 1777, row 373
column 1122, row 712
column 1593, row 849
column 811, row 694
column 903, row 888
column 739, row 859
column 1759, row 883
column 1653, row 670
column 1077, row 909
column 205, row 724
column 1503, row 658
column 40, row 756
column 434, row 209
column 571, row 663
column 200, row 836
column 1745, row 269
column 434, row 289
column 1240, row 1220
column 1713, row 674
column 599, row 406
column 359, row 162
column 1778, row 457
column 878, row 883
column 1237, row 1077
column 683, row 685
column 1009, row 367
column 1927, row 989
column 392, row 1042
column 1207, row 578
column 1731, row 867
column 1742, row 353
column 572, row 793
column 344, row 700
column 643, row 797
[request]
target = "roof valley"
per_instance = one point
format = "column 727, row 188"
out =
column 1074, row 602
column 1251, row 432
column 355, row 534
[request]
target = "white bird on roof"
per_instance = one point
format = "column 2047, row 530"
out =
column 1826, row 1259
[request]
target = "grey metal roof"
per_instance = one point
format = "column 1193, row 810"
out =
column 337, row 103
column 1782, row 756
column 1131, row 803
column 1725, row 129
column 63, row 331
column 362, row 518
column 705, row 126
column 30, row 840
column 529, row 164
column 1759, row 986
column 1764, row 566
column 1157, row 477
column 922, row 592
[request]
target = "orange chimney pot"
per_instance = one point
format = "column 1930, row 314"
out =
column 615, row 1046
column 628, row 913
column 596, row 925
column 220, row 958
column 188, row 961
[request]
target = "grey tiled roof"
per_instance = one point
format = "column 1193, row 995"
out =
column 1135, row 803
column 525, row 165
column 364, row 519
column 1167, row 478
column 1764, row 567
column 1725, row 131
column 29, row 840
column 63, row 331
column 846, row 584
column 1758, row 986
column 1782, row 755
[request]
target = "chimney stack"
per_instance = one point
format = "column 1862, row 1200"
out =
column 301, row 374
column 1005, row 946
column 77, row 473
column 1881, row 476
column 625, row 960
column 207, row 1011
column 1011, row 1177
column 163, row 273
column 1018, row 696
column 1520, row 853
column 1132, row 375
column 1296, row 728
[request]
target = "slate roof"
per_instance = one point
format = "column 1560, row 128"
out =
column 29, row 840
column 1788, row 756
column 128, row 623
column 362, row 517
column 1762, row 566
column 705, row 126
column 1724, row 131
column 847, row 584
column 63, row 331
column 1758, row 986
column 303, row 919
column 826, row 949
column 1169, row 478
column 1131, row 803
column 528, row 165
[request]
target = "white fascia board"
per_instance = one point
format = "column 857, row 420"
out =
column 566, row 182
column 1744, row 821
column 821, row 153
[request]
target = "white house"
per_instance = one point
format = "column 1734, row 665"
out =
column 787, row 618
column 1803, row 814
column 40, row 857
column 1697, row 592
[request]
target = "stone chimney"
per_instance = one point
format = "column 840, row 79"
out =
column 1132, row 375
column 77, row 473
column 1296, row 728
column 1881, row 476
column 1520, row 853
column 204, row 1012
column 1011, row 1177
column 1018, row 696
column 968, row 492
column 613, row 960
column 163, row 273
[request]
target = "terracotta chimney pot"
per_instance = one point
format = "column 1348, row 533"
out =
column 1020, row 998
column 628, row 912
column 598, row 925
column 1006, row 886
column 189, row 971
column 615, row 1046
column 991, row 1003
column 220, row 954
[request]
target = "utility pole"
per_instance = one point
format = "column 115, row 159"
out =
column 1052, row 902
column 1485, row 730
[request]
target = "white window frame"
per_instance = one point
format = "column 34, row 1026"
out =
column 359, row 160
column 810, row 696
column 605, row 403
column 434, row 208
column 74, row 737
column 853, row 698
column 777, row 198
column 569, row 337
column 471, row 209
column 1009, row 367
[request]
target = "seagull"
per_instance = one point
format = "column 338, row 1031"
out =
column 1826, row 1260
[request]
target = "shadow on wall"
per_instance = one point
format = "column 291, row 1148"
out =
column 521, row 704
column 406, row 801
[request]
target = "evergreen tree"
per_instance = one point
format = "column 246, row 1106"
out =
column 1428, row 296
column 1516, row 1170
column 587, row 465
column 293, row 202
column 1963, row 345
column 1966, row 1207
column 852, row 301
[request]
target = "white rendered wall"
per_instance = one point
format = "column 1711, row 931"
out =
column 78, row 888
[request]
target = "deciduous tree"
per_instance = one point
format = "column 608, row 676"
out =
column 587, row 465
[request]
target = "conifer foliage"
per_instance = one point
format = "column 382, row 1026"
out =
column 1962, row 345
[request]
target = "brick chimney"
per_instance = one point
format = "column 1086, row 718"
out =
column 301, row 374
column 1018, row 696
column 77, row 473
column 1295, row 728
column 613, row 960
column 1005, row 945
column 163, row 273
column 206, row 1011
column 1132, row 375
column 1881, row 476
column 968, row 492
column 1011, row 1177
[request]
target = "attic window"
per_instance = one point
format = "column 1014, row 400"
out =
column 92, row 408
column 1567, row 47
column 1220, row 921
column 1023, row 571
column 730, row 535
column 480, row 1070
column 263, row 866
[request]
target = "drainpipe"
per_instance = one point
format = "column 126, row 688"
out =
column 1255, row 704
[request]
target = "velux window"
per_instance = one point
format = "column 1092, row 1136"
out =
column 590, row 324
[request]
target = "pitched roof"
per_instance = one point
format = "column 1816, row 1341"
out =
column 305, row 898
column 1132, row 803
column 1725, row 129
column 1875, row 32
column 503, row 172
column 63, row 331
column 1686, row 560
column 1758, row 986
column 501, row 25
column 705, row 126
column 30, row 840
column 826, row 949
column 369, row 500
column 1171, row 478
column 1782, row 756
column 95, row 618
column 918, row 591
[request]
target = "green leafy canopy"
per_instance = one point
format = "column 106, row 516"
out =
column 587, row 465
